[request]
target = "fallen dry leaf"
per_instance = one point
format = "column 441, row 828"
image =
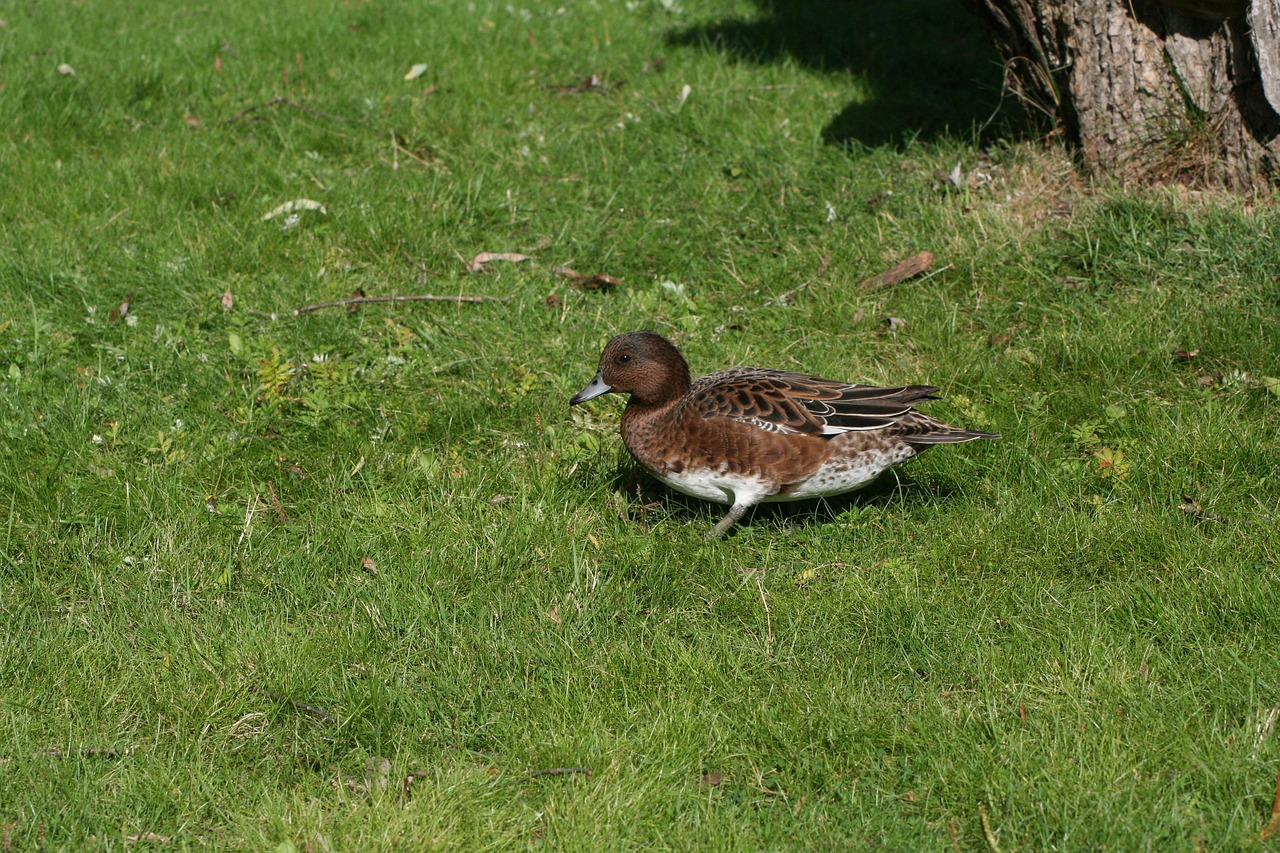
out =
column 1195, row 509
column 553, row 302
column 191, row 120
column 1273, row 825
column 66, row 70
column 228, row 301
column 477, row 263
column 377, row 772
column 147, row 838
column 283, row 462
column 1185, row 354
column 358, row 293
column 822, row 267
column 416, row 71
column 554, row 614
column 298, row 204
column 594, row 83
column 1003, row 338
column 120, row 313
column 369, row 565
column 499, row 500
column 711, row 779
column 893, row 324
column 910, row 268
column 598, row 281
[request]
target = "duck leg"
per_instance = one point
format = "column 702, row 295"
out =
column 730, row 518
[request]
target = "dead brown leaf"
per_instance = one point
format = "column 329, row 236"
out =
column 419, row 151
column 910, row 268
column 822, row 267
column 1185, row 354
column 594, row 83
column 878, row 199
column 192, row 120
column 711, row 779
column 477, row 264
column 118, row 314
column 1273, row 825
column 409, row 779
column 1004, row 338
column 369, row 565
column 554, row 614
column 598, row 281
column 554, row 302
column 147, row 838
column 1195, row 509
column 894, row 324
column 281, row 515
column 228, row 301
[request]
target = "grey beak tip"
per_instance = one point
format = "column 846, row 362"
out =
column 593, row 390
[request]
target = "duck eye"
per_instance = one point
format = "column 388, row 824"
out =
column 624, row 357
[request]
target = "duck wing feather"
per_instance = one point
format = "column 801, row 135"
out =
column 781, row 401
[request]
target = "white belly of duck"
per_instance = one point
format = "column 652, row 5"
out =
column 835, row 477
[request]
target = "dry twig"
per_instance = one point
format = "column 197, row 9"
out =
column 282, row 101
column 84, row 752
column 424, row 297
column 301, row 706
column 275, row 503
column 987, row 833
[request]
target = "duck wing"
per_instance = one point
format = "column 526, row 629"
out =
column 781, row 401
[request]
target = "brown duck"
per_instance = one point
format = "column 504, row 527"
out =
column 746, row 435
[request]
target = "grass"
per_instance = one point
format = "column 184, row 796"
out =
column 259, row 570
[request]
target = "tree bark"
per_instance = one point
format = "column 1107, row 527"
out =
column 1181, row 90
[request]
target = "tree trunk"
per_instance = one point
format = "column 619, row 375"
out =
column 1183, row 90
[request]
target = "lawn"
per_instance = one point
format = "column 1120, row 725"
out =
column 356, row 578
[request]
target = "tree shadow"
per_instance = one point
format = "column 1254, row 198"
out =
column 927, row 65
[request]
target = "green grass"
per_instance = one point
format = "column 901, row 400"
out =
column 194, row 652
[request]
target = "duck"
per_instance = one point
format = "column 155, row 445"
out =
column 748, row 435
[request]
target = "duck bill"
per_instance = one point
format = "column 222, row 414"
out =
column 595, row 389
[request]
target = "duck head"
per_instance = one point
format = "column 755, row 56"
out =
column 643, row 364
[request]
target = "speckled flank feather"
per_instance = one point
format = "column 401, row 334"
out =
column 747, row 435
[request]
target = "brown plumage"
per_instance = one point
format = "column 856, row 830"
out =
column 746, row 435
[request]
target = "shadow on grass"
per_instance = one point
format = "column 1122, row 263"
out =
column 927, row 65
column 650, row 496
